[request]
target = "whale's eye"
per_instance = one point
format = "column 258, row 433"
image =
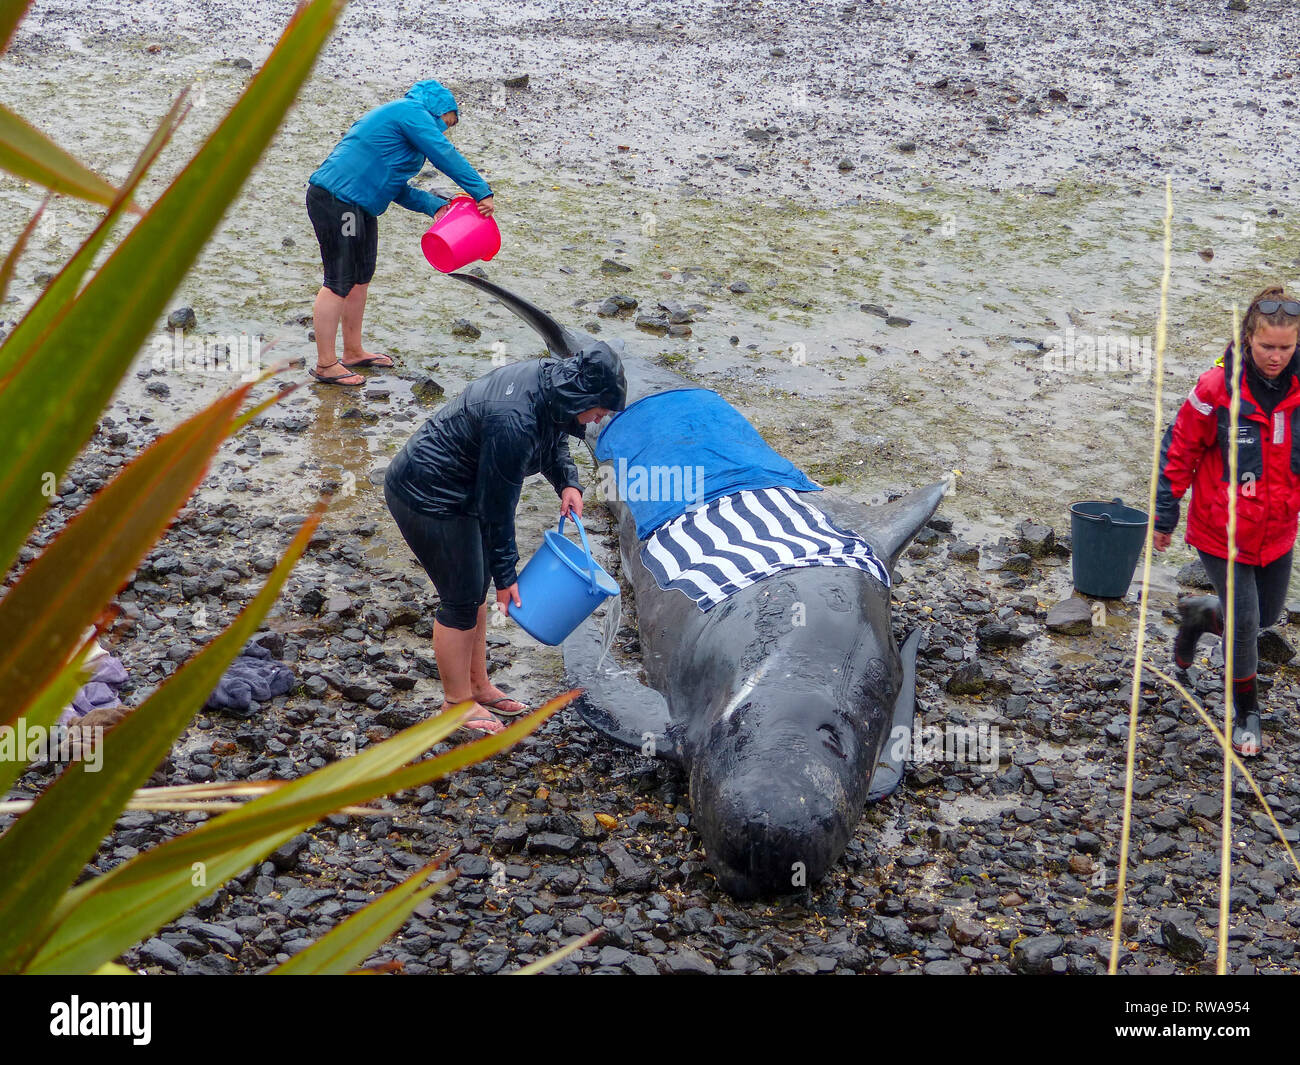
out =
column 831, row 738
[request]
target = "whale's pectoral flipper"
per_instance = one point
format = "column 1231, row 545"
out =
column 888, row 773
column 614, row 701
column 888, row 528
column 560, row 342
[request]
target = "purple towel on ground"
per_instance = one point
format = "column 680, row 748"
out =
column 98, row 693
column 254, row 675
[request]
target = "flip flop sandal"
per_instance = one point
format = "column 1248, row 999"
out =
column 467, row 728
column 338, row 380
column 496, row 708
column 372, row 361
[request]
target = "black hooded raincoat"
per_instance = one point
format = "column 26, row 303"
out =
column 471, row 458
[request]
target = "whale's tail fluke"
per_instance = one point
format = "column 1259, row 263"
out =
column 560, row 342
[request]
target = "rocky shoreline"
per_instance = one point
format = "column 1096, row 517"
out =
column 968, row 868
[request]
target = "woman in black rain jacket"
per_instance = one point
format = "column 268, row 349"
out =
column 454, row 487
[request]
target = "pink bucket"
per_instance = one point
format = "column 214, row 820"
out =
column 460, row 236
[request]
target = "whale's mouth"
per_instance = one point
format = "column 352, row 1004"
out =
column 776, row 829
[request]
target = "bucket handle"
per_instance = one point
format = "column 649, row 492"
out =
column 586, row 547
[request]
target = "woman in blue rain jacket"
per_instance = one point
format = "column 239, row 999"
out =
column 369, row 169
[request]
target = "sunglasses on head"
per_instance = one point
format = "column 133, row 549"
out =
column 1288, row 307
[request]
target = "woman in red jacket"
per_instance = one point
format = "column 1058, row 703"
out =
column 1195, row 455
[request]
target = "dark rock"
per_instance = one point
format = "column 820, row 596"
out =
column 1042, row 777
column 961, row 551
column 358, row 691
column 993, row 635
column 631, row 874
column 1018, row 563
column 517, row 81
column 463, row 327
column 1034, row 955
column 427, row 391
column 1087, row 843
column 510, row 837
column 491, row 958
column 689, row 963
column 552, row 843
column 1035, row 540
column 182, row 318
column 1193, row 575
column 1180, row 936
column 1160, row 847
column 156, row 952
column 285, row 857
column 1274, row 647
column 1072, row 616
column 613, row 266
column 967, row 680
column 300, row 898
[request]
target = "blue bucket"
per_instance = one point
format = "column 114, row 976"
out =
column 560, row 587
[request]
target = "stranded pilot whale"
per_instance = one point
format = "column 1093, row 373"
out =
column 781, row 703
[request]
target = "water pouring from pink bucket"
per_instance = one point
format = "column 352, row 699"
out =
column 460, row 236
column 561, row 585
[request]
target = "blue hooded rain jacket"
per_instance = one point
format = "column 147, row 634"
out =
column 387, row 147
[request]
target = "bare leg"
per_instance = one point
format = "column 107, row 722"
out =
column 483, row 689
column 454, row 650
column 326, row 313
column 354, row 310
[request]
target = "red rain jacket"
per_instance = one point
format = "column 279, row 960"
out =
column 1195, row 455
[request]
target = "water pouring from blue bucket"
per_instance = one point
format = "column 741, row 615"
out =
column 560, row 587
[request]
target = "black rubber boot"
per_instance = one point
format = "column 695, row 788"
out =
column 1246, row 735
column 1200, row 614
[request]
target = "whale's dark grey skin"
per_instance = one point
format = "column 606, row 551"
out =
column 778, row 703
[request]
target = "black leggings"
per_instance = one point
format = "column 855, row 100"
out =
column 453, row 554
column 1259, row 592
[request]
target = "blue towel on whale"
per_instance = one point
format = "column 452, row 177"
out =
column 674, row 451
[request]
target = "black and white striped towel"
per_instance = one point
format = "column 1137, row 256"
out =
column 737, row 540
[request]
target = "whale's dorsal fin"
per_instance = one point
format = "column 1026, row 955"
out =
column 560, row 342
column 888, row 528
column 615, row 702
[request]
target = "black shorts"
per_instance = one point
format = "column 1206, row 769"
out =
column 349, row 240
column 453, row 554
